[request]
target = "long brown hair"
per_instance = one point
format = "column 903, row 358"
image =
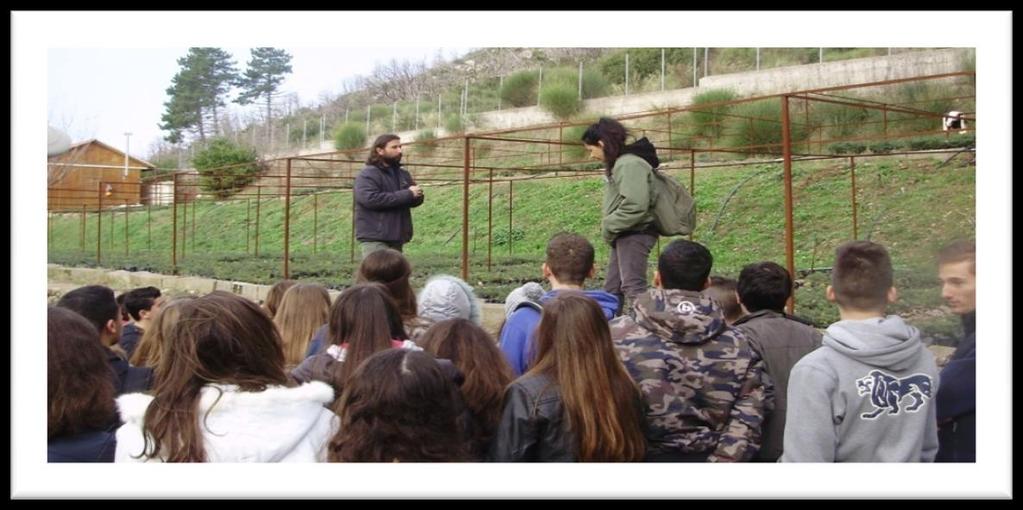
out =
column 147, row 354
column 79, row 381
column 366, row 318
column 275, row 294
column 304, row 308
column 613, row 134
column 600, row 399
column 486, row 371
column 219, row 338
column 399, row 406
column 375, row 159
column 390, row 268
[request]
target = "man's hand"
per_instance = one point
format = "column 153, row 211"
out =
column 416, row 190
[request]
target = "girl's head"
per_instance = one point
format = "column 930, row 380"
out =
column 302, row 311
column 399, row 406
column 366, row 319
column 390, row 268
column 79, row 381
column 147, row 353
column 274, row 296
column 605, row 140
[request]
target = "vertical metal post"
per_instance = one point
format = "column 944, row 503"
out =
column 248, row 222
column 110, row 240
column 626, row 73
column 758, row 59
column 259, row 192
column 694, row 67
column 561, row 140
column 287, row 216
column 49, row 227
column 884, row 118
column 671, row 142
column 99, row 224
column 789, row 228
column 490, row 217
column 184, row 226
column 149, row 226
column 304, row 123
column 511, row 196
column 394, row 119
column 316, row 207
column 174, row 227
column 692, row 178
column 351, row 251
column 500, row 85
column 580, row 80
column 194, row 203
column 126, row 230
column 81, row 235
column 465, row 211
column 706, row 61
column 417, row 112
column 539, row 86
column 852, row 174
column 662, row 85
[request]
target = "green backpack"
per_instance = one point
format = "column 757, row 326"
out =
column 674, row 209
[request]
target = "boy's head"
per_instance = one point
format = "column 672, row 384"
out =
column 722, row 290
column 764, row 286
column 97, row 304
column 142, row 303
column 569, row 259
column 861, row 278
column 957, row 269
column 683, row 265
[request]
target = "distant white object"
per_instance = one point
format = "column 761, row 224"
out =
column 953, row 121
column 57, row 141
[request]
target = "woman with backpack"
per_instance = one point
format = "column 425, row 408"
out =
column 628, row 212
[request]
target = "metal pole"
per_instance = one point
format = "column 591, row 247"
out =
column 99, row 224
column 304, row 123
column 626, row 73
column 351, row 244
column 394, row 117
column 662, row 87
column 706, row 60
column 852, row 174
column 692, row 178
column 316, row 207
column 248, row 222
column 174, row 228
column 789, row 228
column 820, row 55
column 49, row 227
column 81, row 235
column 417, row 113
column 287, row 217
column 149, row 226
column 259, row 191
column 500, row 85
column 127, row 146
column 440, row 103
column 539, row 85
column 110, row 242
column 193, row 224
column 465, row 212
column 580, row 80
column 694, row 67
column 126, row 231
column 367, row 119
column 671, row 143
column 758, row 59
column 490, row 217
column 511, row 196
column 184, row 226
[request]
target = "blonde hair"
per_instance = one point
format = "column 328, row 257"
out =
column 147, row 353
column 302, row 310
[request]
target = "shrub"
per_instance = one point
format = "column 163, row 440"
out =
column 425, row 141
column 350, row 135
column 560, row 100
column 710, row 121
column 223, row 182
column 453, row 124
column 519, row 89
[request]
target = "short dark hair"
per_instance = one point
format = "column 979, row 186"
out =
column 862, row 275
column 375, row 159
column 684, row 265
column 959, row 251
column 94, row 302
column 723, row 291
column 569, row 257
column 764, row 286
column 140, row 299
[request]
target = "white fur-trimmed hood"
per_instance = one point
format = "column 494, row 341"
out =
column 274, row 425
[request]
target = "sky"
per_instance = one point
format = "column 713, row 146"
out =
column 104, row 92
column 35, row 36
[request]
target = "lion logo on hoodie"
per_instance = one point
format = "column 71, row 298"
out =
column 887, row 391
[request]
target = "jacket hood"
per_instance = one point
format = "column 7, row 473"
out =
column 608, row 302
column 248, row 426
column 531, row 292
column 886, row 342
column 644, row 149
column 681, row 316
column 447, row 297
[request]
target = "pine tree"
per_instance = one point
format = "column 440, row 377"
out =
column 264, row 74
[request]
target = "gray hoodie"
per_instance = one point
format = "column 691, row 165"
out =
column 864, row 396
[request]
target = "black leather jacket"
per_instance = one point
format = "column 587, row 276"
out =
column 383, row 204
column 532, row 427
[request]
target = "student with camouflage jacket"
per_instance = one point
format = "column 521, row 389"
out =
column 704, row 388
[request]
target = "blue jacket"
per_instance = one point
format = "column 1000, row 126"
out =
column 518, row 331
column 90, row 446
column 957, row 400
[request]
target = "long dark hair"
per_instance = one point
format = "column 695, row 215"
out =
column 486, row 371
column 219, row 338
column 79, row 381
column 399, row 406
column 375, row 159
column 613, row 134
column 600, row 399
column 366, row 318
column 391, row 268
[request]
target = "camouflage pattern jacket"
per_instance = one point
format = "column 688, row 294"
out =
column 705, row 389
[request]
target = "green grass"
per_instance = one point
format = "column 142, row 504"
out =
column 898, row 206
